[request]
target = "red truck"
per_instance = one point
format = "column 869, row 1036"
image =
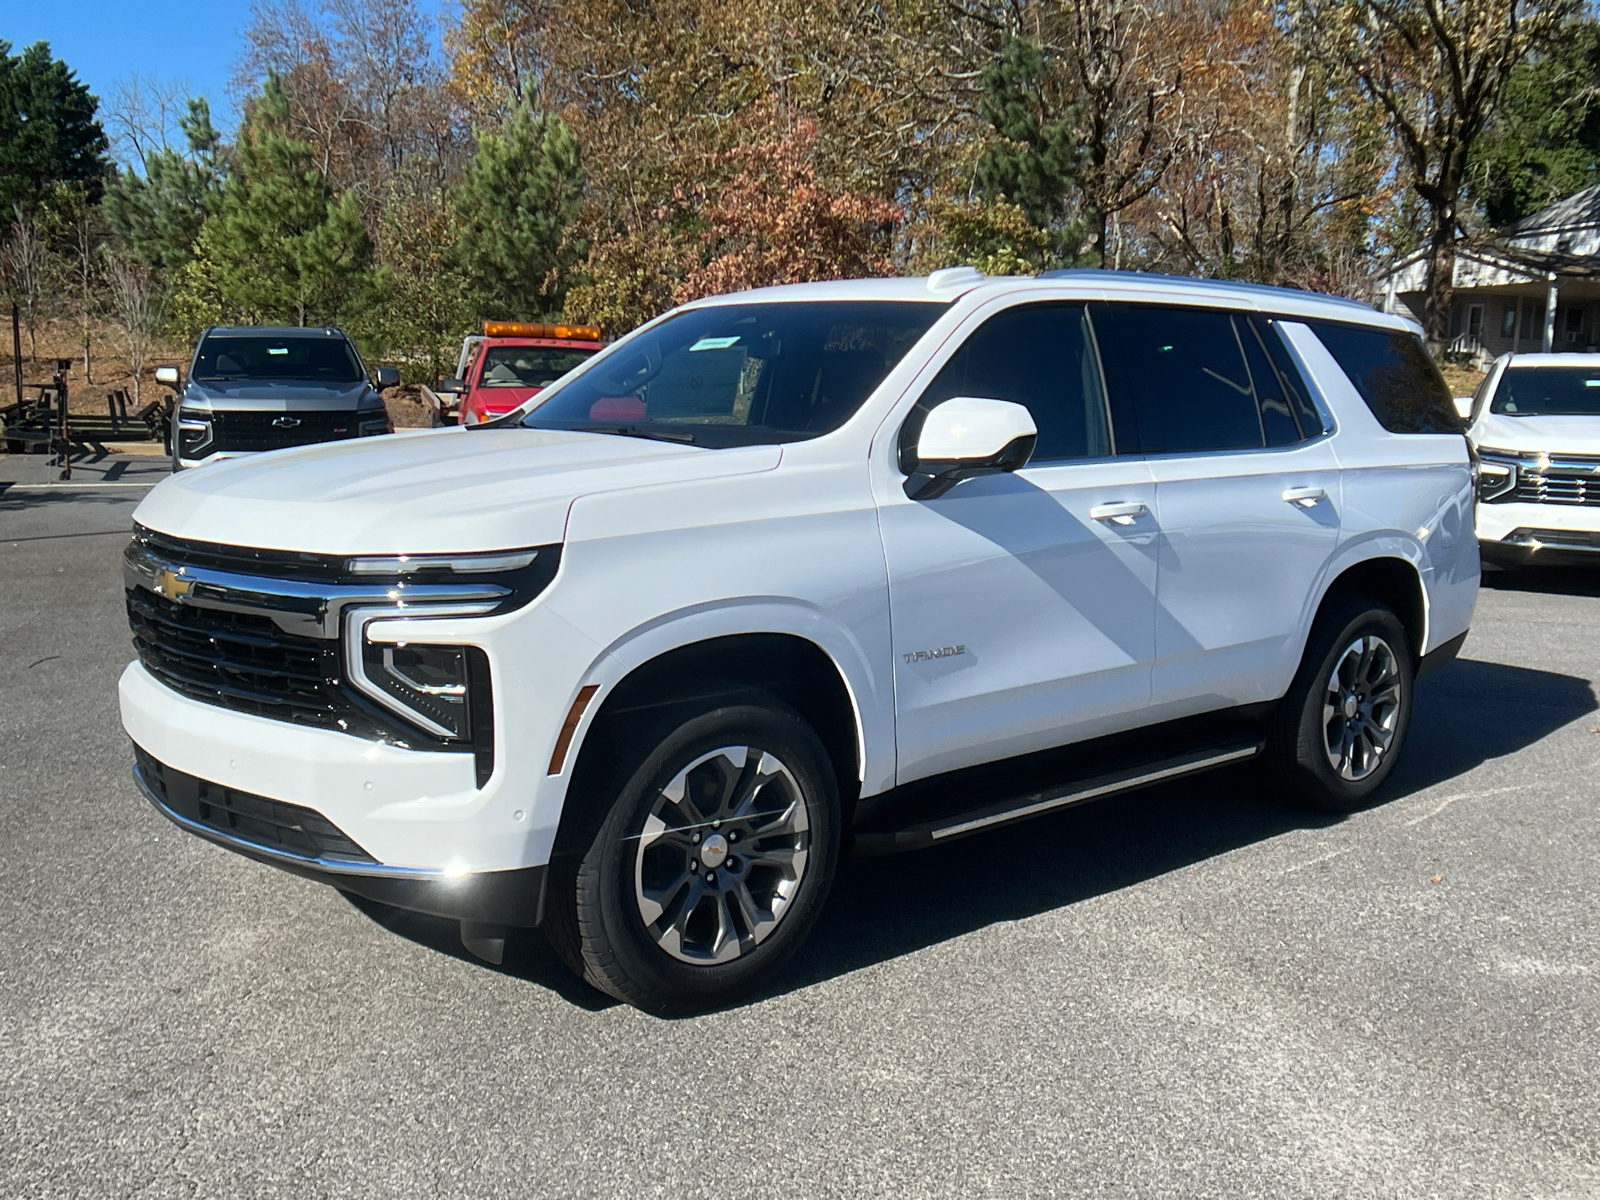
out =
column 512, row 361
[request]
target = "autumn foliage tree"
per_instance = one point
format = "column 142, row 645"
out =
column 774, row 223
column 1437, row 69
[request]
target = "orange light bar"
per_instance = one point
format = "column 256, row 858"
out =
column 571, row 333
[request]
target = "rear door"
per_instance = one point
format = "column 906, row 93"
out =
column 1247, row 496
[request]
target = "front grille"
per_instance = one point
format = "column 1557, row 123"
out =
column 246, row 662
column 233, row 430
column 246, row 817
column 1558, row 487
column 239, row 661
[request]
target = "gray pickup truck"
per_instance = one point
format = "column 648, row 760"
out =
column 254, row 388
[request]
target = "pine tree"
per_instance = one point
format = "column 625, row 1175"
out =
column 159, row 215
column 1035, row 163
column 516, row 208
column 280, row 245
column 48, row 131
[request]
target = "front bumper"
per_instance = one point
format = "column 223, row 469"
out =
column 408, row 808
column 1520, row 534
column 317, row 850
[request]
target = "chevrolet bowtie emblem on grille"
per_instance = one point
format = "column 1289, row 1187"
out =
column 285, row 422
column 172, row 584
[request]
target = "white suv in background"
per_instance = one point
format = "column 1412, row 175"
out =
column 1536, row 426
column 867, row 565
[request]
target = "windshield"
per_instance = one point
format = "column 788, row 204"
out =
column 1548, row 392
column 324, row 359
column 743, row 374
column 528, row 366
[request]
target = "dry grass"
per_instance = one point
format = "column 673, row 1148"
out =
column 108, row 365
column 1461, row 379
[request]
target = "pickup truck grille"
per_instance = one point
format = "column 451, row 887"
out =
column 233, row 430
column 1560, row 479
column 238, row 660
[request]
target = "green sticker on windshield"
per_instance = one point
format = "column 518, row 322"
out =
column 277, row 349
column 714, row 343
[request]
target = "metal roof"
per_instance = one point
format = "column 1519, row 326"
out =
column 1581, row 210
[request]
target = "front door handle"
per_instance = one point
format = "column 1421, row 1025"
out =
column 1122, row 512
column 1305, row 497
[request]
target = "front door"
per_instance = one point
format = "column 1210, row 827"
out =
column 1022, row 606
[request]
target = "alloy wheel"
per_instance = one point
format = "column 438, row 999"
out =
column 1361, row 707
column 721, row 855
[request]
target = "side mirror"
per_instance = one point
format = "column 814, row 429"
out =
column 969, row 436
column 453, row 384
column 385, row 377
column 167, row 375
column 1464, row 407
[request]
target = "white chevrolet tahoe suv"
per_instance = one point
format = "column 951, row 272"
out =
column 1536, row 425
column 860, row 566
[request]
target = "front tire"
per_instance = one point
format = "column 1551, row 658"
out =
column 712, row 863
column 1340, row 727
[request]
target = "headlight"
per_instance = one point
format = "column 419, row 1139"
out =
column 370, row 426
column 430, row 684
column 1497, row 473
column 194, row 432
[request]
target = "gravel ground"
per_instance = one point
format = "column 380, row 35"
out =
column 1188, row 992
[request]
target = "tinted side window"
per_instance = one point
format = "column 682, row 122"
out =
column 1277, row 414
column 1311, row 418
column 1394, row 375
column 1038, row 355
column 1177, row 378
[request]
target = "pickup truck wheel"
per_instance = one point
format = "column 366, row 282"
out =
column 1340, row 727
column 713, row 862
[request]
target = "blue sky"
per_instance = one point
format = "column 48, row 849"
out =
column 108, row 40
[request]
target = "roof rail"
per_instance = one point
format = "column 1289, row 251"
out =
column 1091, row 274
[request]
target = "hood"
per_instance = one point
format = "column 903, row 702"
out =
column 288, row 396
column 1555, row 435
column 447, row 490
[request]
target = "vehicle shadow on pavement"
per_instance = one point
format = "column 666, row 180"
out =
column 528, row 955
column 882, row 908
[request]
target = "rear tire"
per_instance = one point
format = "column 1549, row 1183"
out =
column 711, row 864
column 1340, row 727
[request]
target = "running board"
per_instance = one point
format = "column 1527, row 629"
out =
column 1037, row 803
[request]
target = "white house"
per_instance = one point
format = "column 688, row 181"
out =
column 1536, row 286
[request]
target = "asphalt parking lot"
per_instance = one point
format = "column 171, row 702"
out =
column 1187, row 992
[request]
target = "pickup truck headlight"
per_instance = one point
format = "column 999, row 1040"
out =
column 1497, row 474
column 194, row 432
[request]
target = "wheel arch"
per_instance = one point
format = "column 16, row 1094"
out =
column 1392, row 579
column 796, row 669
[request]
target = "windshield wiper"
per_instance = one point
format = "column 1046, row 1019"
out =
column 637, row 431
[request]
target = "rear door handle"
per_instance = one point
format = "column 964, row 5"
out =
column 1305, row 497
column 1122, row 512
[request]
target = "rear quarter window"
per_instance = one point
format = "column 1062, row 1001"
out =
column 1395, row 376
